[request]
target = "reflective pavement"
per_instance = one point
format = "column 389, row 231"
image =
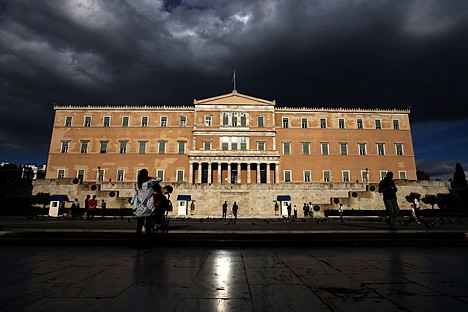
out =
column 121, row 278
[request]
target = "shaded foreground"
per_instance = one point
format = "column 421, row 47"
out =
column 97, row 278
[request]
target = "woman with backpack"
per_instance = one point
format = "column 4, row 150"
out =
column 143, row 203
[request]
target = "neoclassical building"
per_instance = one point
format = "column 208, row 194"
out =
column 231, row 139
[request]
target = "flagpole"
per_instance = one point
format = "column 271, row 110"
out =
column 234, row 79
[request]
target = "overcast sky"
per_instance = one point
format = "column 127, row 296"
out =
column 331, row 53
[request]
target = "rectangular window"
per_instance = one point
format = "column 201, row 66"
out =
column 402, row 175
column 285, row 122
column 260, row 145
column 381, row 149
column 365, row 175
column 61, row 173
column 125, row 121
column 87, row 121
column 68, row 121
column 225, row 119
column 307, row 175
column 224, row 146
column 144, row 121
column 208, row 120
column 345, row 174
column 341, row 123
column 120, row 175
column 304, row 122
column 80, row 174
column 324, row 147
column 243, row 119
column 260, row 121
column 378, row 124
column 399, row 149
column 106, row 121
column 362, row 149
column 162, row 147
column 243, row 144
column 64, row 148
column 396, row 124
column 383, row 174
column 344, row 148
column 287, row 175
column 234, row 119
column 326, row 176
column 160, row 174
column 84, row 147
column 163, row 121
column 142, row 147
column 180, row 175
column 323, row 123
column 103, row 147
column 234, row 144
column 286, row 148
column 207, row 145
column 181, row 147
column 360, row 124
column 123, row 147
column 101, row 174
column 305, row 148
column 183, row 121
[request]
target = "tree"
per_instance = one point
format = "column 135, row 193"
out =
column 447, row 201
column 422, row 175
column 459, row 177
column 430, row 200
column 43, row 199
column 410, row 198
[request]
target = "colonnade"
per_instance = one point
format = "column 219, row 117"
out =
column 233, row 172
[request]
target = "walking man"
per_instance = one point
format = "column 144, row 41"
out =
column 235, row 208
column 388, row 188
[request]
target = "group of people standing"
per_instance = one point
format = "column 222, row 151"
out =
column 151, row 202
column 90, row 208
column 235, row 209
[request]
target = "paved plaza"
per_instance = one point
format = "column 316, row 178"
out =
column 119, row 278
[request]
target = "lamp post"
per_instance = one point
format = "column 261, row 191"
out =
column 99, row 173
column 367, row 175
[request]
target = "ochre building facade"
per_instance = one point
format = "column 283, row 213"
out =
column 230, row 139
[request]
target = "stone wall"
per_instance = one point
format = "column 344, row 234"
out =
column 254, row 200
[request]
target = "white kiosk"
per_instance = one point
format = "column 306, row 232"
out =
column 284, row 201
column 182, row 204
column 57, row 202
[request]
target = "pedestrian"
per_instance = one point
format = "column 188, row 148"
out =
column 75, row 207
column 276, row 208
column 143, row 203
column 311, row 210
column 224, row 207
column 289, row 210
column 92, row 203
column 304, row 209
column 103, row 208
column 415, row 208
column 388, row 188
column 86, row 206
column 340, row 211
column 235, row 208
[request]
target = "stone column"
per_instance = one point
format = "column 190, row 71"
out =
column 258, row 173
column 268, row 173
column 209, row 173
column 219, row 172
column 239, row 173
column 229, row 173
column 200, row 167
column 276, row 173
column 249, row 180
column 191, row 173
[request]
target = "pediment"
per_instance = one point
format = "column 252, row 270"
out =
column 234, row 98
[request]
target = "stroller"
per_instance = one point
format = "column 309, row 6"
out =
column 163, row 206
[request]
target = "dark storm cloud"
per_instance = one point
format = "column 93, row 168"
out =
column 306, row 53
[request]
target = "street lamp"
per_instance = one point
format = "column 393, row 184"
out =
column 99, row 173
column 367, row 175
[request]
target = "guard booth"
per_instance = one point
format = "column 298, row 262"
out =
column 284, row 202
column 57, row 204
column 182, row 204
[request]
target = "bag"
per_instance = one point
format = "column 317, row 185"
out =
column 143, row 201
